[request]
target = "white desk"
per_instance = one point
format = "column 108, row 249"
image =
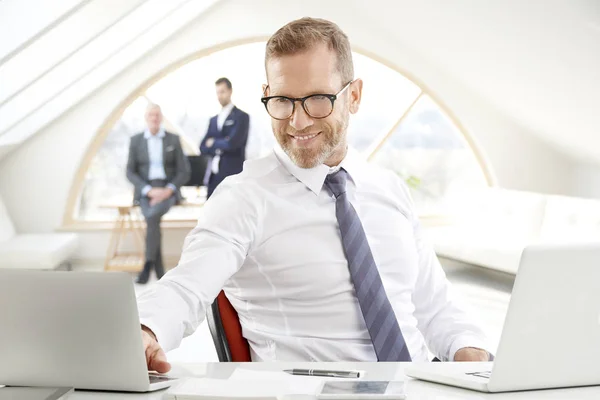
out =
column 415, row 390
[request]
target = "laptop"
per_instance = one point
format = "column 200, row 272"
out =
column 74, row 329
column 551, row 334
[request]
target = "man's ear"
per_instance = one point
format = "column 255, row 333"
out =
column 355, row 95
column 264, row 89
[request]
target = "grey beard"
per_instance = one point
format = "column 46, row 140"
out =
column 298, row 159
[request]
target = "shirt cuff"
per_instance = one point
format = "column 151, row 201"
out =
column 467, row 341
column 146, row 189
column 167, row 340
column 148, row 324
column 172, row 187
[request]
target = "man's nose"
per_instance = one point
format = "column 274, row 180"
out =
column 300, row 119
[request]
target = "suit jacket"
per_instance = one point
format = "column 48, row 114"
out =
column 176, row 165
column 230, row 144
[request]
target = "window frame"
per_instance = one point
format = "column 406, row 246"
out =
column 72, row 223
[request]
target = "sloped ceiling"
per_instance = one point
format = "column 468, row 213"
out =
column 46, row 69
column 537, row 61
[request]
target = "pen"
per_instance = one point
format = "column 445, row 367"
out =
column 321, row 372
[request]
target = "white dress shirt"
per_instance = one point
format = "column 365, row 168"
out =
column 221, row 117
column 269, row 237
column 223, row 114
column 155, row 155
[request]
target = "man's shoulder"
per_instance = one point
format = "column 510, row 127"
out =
column 137, row 136
column 258, row 168
column 378, row 174
column 257, row 174
column 386, row 182
column 241, row 112
column 249, row 189
column 171, row 134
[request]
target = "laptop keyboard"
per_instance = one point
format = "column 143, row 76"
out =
column 159, row 378
column 482, row 374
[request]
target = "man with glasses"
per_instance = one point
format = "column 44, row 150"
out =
column 319, row 252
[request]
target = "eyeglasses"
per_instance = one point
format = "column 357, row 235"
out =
column 316, row 105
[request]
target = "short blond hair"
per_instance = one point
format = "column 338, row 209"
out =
column 303, row 34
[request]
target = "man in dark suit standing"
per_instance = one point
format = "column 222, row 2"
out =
column 157, row 168
column 226, row 138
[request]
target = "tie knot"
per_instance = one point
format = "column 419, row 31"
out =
column 336, row 182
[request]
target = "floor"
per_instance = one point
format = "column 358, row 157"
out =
column 484, row 292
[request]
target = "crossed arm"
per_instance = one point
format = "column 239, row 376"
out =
column 213, row 145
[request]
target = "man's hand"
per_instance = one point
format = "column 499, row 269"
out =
column 471, row 354
column 156, row 360
column 157, row 195
column 210, row 142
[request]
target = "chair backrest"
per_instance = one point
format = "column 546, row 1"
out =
column 226, row 331
column 7, row 230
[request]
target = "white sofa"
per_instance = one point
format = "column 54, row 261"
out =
column 492, row 227
column 33, row 251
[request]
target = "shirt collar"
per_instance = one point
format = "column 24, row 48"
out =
column 160, row 134
column 227, row 109
column 313, row 178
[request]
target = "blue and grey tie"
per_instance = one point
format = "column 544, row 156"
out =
column 376, row 309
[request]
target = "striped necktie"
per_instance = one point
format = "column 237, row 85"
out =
column 376, row 309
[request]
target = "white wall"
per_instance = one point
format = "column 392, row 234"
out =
column 538, row 60
column 35, row 179
column 586, row 180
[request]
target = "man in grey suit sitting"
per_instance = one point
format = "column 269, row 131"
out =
column 157, row 168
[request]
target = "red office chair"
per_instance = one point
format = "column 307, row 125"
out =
column 226, row 331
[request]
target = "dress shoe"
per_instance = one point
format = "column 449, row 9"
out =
column 143, row 277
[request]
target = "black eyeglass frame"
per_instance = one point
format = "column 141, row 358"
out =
column 293, row 100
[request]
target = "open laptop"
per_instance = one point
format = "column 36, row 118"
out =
column 77, row 329
column 551, row 335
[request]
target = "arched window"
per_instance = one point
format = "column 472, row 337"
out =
column 399, row 126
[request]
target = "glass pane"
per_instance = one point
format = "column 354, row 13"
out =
column 106, row 54
column 21, row 20
column 187, row 95
column 105, row 180
column 386, row 96
column 58, row 43
column 188, row 100
column 433, row 157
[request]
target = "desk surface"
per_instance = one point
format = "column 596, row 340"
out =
column 383, row 371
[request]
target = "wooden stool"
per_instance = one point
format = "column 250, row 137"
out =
column 131, row 222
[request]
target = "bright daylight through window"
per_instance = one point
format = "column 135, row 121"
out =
column 398, row 127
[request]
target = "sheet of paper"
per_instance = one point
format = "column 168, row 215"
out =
column 215, row 389
column 250, row 384
column 294, row 384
